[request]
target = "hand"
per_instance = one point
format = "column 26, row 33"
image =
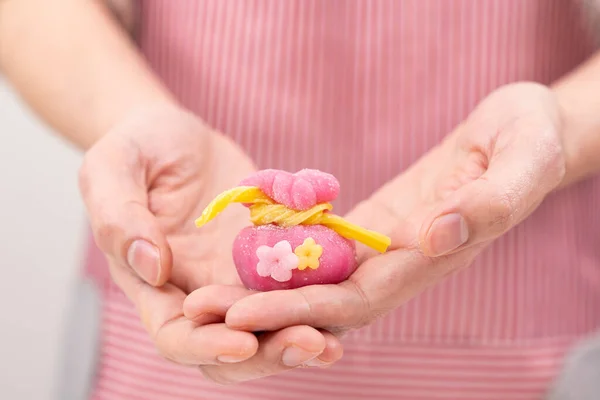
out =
column 144, row 183
column 485, row 178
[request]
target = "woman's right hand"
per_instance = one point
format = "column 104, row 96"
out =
column 143, row 184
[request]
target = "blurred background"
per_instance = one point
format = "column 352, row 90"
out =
column 42, row 237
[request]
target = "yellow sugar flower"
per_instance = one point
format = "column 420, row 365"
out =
column 308, row 254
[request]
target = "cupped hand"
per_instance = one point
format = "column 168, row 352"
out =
column 144, row 183
column 485, row 178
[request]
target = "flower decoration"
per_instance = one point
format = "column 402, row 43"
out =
column 277, row 261
column 308, row 254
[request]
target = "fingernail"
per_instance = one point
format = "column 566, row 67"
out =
column 228, row 359
column 447, row 233
column 317, row 362
column 144, row 259
column 295, row 356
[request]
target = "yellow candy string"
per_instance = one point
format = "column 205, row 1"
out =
column 264, row 211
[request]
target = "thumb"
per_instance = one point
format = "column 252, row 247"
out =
column 113, row 184
column 515, row 182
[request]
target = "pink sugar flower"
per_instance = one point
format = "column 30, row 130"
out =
column 277, row 261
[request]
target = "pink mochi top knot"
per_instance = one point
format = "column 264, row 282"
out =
column 299, row 191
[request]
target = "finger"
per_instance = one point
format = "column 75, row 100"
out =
column 380, row 284
column 520, row 173
column 334, row 350
column 316, row 305
column 114, row 188
column 177, row 338
column 210, row 303
column 278, row 352
column 186, row 343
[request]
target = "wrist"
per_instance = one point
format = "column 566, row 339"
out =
column 112, row 111
column 580, row 136
column 74, row 66
column 579, row 106
column 570, row 146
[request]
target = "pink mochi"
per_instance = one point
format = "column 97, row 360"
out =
column 299, row 191
column 336, row 263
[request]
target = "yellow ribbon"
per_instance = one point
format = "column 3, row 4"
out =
column 263, row 211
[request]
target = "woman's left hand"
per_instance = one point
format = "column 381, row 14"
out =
column 485, row 178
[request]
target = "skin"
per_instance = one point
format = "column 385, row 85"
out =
column 497, row 167
column 521, row 143
column 113, row 108
column 160, row 197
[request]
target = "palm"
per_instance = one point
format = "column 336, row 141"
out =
column 491, row 172
column 144, row 183
column 520, row 116
column 201, row 256
column 177, row 198
column 184, row 171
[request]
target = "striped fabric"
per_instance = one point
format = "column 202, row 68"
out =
column 361, row 89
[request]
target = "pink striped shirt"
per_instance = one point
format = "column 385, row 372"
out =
column 362, row 89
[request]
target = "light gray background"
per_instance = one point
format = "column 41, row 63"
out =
column 42, row 234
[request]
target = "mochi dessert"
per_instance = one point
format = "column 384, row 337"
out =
column 294, row 240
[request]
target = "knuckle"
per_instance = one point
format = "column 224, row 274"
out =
column 166, row 348
column 265, row 368
column 167, row 354
column 109, row 232
column 362, row 311
column 166, row 351
column 216, row 375
column 168, row 332
column 170, row 336
column 345, row 315
column 315, row 312
column 106, row 229
column 312, row 310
